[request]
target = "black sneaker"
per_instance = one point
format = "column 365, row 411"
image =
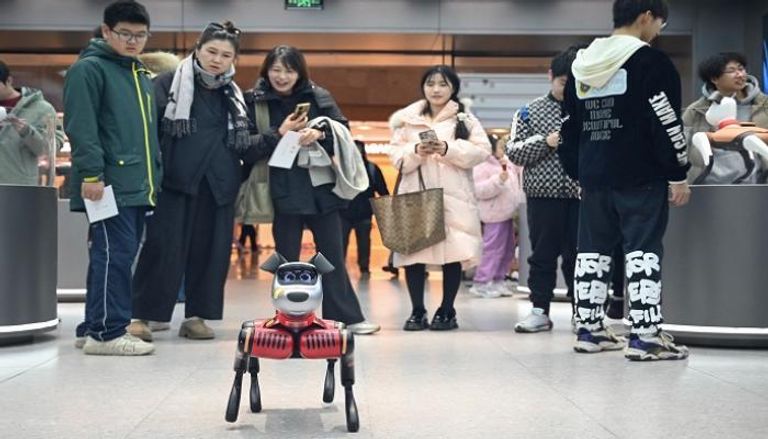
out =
column 444, row 321
column 654, row 347
column 417, row 321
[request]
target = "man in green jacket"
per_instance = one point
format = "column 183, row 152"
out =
column 111, row 122
column 26, row 132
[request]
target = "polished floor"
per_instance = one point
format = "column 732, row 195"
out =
column 482, row 381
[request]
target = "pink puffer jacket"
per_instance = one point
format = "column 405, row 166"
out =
column 497, row 200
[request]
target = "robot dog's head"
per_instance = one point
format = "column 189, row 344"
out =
column 297, row 288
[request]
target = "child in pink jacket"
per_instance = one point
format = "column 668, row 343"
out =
column 498, row 192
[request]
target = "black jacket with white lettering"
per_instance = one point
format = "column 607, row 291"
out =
column 629, row 132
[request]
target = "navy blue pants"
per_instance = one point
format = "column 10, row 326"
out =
column 636, row 218
column 112, row 247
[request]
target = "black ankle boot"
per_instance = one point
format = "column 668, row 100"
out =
column 444, row 320
column 417, row 321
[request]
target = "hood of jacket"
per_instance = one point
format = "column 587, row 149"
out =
column 596, row 64
column 752, row 89
column 412, row 114
column 29, row 97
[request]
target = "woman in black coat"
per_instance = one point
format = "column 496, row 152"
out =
column 283, row 84
column 205, row 134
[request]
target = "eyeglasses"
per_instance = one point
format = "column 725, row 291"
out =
column 126, row 37
column 663, row 25
column 217, row 27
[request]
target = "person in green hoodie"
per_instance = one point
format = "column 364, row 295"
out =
column 111, row 122
column 24, row 131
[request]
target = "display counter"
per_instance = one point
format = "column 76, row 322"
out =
column 28, row 253
column 714, row 279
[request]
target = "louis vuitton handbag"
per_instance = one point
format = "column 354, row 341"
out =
column 413, row 221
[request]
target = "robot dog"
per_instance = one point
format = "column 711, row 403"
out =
column 743, row 137
column 295, row 332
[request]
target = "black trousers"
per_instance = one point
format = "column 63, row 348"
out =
column 638, row 218
column 363, row 236
column 553, row 225
column 248, row 231
column 339, row 299
column 190, row 238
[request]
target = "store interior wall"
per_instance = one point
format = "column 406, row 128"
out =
column 370, row 53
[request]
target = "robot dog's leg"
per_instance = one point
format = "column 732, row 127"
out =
column 255, row 394
column 241, row 362
column 348, row 380
column 329, row 388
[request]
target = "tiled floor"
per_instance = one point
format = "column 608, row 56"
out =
column 482, row 381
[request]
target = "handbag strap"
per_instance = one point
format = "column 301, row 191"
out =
column 262, row 116
column 400, row 178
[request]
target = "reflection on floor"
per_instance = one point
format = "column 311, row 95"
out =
column 482, row 381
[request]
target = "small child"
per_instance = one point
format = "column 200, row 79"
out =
column 499, row 193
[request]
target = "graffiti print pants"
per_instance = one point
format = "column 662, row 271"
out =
column 636, row 217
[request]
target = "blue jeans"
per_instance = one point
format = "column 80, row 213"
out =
column 112, row 247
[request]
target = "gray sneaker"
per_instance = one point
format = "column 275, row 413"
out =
column 196, row 329
column 659, row 346
column 79, row 342
column 126, row 345
column 536, row 321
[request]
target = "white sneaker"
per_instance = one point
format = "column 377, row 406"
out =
column 126, row 345
column 503, row 288
column 536, row 321
column 364, row 328
column 484, row 290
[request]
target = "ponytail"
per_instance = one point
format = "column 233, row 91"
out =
column 462, row 132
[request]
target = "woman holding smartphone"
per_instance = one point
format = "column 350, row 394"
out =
column 286, row 97
column 438, row 137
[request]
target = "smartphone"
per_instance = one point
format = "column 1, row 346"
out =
column 428, row 136
column 301, row 110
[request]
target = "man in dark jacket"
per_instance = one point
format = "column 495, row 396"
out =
column 623, row 140
column 111, row 121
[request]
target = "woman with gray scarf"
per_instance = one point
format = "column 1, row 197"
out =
column 205, row 134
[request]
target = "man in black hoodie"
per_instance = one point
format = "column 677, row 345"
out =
column 623, row 140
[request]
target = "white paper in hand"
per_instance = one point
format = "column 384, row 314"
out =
column 286, row 150
column 102, row 209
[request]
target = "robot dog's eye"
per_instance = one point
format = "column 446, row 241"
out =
column 305, row 276
column 289, row 277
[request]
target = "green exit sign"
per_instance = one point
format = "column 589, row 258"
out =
column 303, row 4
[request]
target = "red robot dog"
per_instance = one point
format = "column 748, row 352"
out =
column 295, row 332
